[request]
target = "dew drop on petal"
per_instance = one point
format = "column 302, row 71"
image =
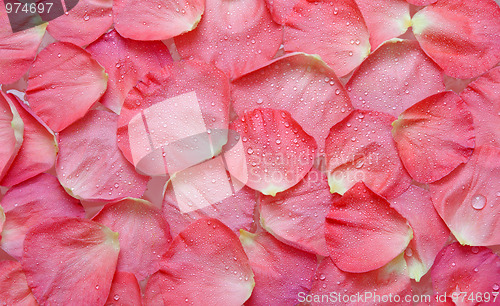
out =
column 478, row 202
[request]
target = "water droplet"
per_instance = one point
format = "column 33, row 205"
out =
column 97, row 287
column 478, row 201
column 496, row 287
column 337, row 91
column 409, row 252
column 86, row 17
column 116, row 297
column 250, row 151
column 260, row 101
column 322, row 277
column 475, row 249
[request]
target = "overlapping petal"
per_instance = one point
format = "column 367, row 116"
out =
column 64, row 82
column 70, row 259
column 278, row 268
column 335, row 30
column 363, row 232
column 89, row 164
column 13, row 285
column 11, row 132
column 235, row 35
column 281, row 9
column 125, row 290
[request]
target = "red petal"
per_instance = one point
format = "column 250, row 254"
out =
column 13, row 285
column 467, row 199
column 126, row 61
column 481, row 97
column 236, row 36
column 281, row 9
column 361, row 148
column 421, row 2
column 63, row 84
column 303, row 207
column 143, row 233
column 89, row 164
column 462, row 37
column 70, row 259
column 160, row 20
column 38, row 151
column 84, row 23
column 300, row 84
column 385, row 19
column 363, row 232
column 205, row 264
column 434, row 136
column 429, row 231
column 339, row 28
column 164, row 122
column 333, row 286
column 274, row 149
column 208, row 190
column 278, row 268
column 11, row 132
column 30, row 203
column 124, row 291
column 394, row 77
column 460, row 271
column 18, row 50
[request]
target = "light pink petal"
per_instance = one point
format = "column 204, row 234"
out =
column 84, row 23
column 363, row 232
column 126, row 61
column 281, row 271
column 143, row 234
column 38, row 150
column 300, row 84
column 273, row 153
column 89, row 164
column 11, row 132
column 124, row 291
column 460, row 271
column 434, row 136
column 421, row 2
column 205, row 265
column 361, row 148
column 297, row 216
column 461, row 36
column 235, row 35
column 157, row 20
column 394, row 77
column 344, row 288
column 429, row 231
column 2, row 220
column 167, row 119
column 333, row 29
column 208, row 190
column 13, row 285
column 468, row 198
column 385, row 19
column 64, row 82
column 17, row 50
column 70, row 259
column 481, row 97
column 281, row 9
column 30, row 203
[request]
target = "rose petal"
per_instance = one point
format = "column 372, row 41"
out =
column 481, row 97
column 421, row 2
column 11, row 132
column 13, row 285
column 337, row 25
column 434, row 136
column 38, row 150
column 468, row 198
column 274, row 149
column 205, row 264
column 297, row 216
column 167, row 119
column 278, row 268
column 30, row 203
column 126, row 61
column 125, row 290
column 429, row 231
column 89, row 164
column 394, row 77
column 143, row 234
column 363, row 232
column 462, row 37
column 281, row 9
column 70, row 259
column 234, row 35
column 84, row 23
column 361, row 148
column 160, row 20
column 64, row 82
column 300, row 84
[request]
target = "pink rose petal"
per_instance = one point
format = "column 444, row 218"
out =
column 11, row 132
column 125, row 290
column 13, row 285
